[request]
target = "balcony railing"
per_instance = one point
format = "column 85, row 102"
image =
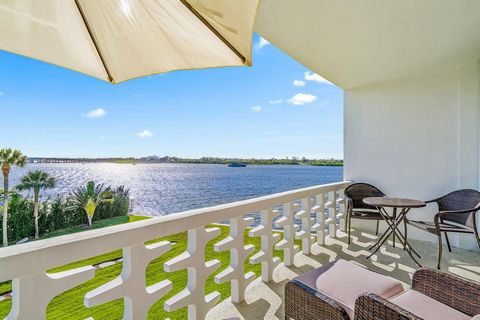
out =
column 318, row 210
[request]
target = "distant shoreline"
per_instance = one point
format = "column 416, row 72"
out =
column 205, row 160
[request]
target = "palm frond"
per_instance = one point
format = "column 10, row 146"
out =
column 12, row 157
column 89, row 197
column 36, row 180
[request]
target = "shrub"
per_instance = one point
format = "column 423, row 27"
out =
column 20, row 220
column 118, row 207
column 57, row 214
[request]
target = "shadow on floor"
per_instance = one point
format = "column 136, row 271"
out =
column 265, row 300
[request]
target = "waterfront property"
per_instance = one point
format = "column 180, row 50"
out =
column 255, row 292
column 411, row 75
column 164, row 188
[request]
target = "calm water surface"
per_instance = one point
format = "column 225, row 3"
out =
column 159, row 189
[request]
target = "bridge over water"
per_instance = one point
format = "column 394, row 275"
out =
column 65, row 160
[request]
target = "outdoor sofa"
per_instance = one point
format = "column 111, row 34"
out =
column 343, row 290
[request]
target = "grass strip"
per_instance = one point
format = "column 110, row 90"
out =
column 69, row 305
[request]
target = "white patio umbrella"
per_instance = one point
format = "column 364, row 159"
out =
column 117, row 40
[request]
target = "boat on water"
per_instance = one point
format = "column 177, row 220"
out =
column 237, row 165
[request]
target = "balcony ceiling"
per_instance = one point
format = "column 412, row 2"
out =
column 357, row 43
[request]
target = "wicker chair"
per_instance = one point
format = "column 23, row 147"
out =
column 303, row 302
column 455, row 292
column 356, row 209
column 456, row 213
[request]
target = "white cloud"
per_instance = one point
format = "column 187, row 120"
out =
column 262, row 42
column 277, row 101
column 298, row 83
column 257, row 108
column 301, row 99
column 96, row 113
column 311, row 76
column 144, row 134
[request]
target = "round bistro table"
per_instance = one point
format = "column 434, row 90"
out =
column 400, row 206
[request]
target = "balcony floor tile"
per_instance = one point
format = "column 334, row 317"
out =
column 264, row 301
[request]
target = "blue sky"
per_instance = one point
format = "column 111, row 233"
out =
column 277, row 108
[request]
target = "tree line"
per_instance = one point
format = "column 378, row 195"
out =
column 254, row 161
column 82, row 204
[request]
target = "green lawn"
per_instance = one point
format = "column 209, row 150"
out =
column 69, row 305
column 7, row 286
column 96, row 224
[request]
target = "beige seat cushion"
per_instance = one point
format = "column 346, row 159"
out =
column 426, row 307
column 345, row 281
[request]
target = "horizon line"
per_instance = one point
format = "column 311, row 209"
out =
column 189, row 158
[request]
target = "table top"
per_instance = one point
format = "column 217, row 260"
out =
column 393, row 202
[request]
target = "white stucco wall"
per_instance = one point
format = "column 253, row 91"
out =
column 416, row 138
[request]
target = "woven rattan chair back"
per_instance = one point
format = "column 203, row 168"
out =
column 359, row 191
column 459, row 200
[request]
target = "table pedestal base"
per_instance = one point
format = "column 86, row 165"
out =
column 393, row 223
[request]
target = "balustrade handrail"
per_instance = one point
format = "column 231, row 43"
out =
column 28, row 258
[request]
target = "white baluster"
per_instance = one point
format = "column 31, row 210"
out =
column 341, row 215
column 332, row 214
column 31, row 294
column 319, row 210
column 306, row 232
column 289, row 229
column 131, row 283
column 268, row 239
column 235, row 273
column 198, row 272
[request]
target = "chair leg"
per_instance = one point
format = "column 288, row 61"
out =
column 448, row 242
column 376, row 232
column 477, row 236
column 394, row 239
column 405, row 232
column 439, row 250
column 349, row 228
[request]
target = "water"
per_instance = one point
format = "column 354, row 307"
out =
column 159, row 189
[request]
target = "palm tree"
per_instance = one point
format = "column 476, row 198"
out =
column 36, row 180
column 8, row 158
column 89, row 197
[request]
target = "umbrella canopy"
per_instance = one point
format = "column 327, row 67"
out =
column 117, row 40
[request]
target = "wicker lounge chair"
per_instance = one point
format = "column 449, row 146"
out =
column 356, row 209
column 456, row 213
column 320, row 294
